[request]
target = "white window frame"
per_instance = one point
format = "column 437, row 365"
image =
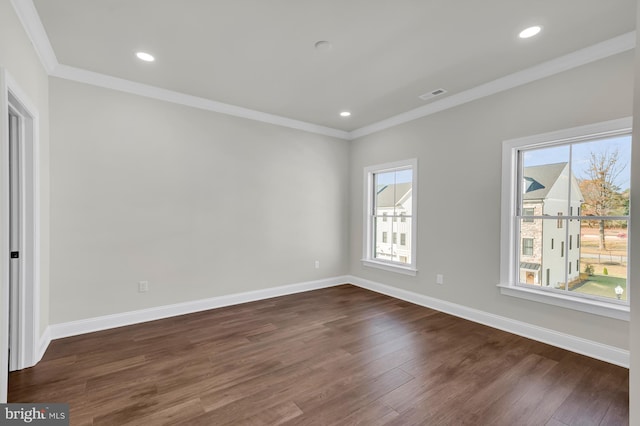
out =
column 509, row 238
column 368, row 258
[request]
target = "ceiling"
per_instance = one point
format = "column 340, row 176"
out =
column 260, row 54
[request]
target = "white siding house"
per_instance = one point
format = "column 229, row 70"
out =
column 393, row 229
column 550, row 247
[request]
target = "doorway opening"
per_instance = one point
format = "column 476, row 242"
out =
column 19, row 232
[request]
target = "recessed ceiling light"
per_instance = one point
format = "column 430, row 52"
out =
column 345, row 114
column 144, row 56
column 530, row 32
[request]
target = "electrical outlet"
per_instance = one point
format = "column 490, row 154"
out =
column 439, row 279
column 143, row 286
column 317, row 264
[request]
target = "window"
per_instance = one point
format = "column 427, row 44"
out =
column 579, row 181
column 384, row 237
column 391, row 190
column 528, row 211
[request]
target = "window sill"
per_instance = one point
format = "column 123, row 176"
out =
column 406, row 270
column 610, row 310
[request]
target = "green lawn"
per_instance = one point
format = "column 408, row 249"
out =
column 603, row 285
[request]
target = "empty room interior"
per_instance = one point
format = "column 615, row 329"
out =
column 335, row 212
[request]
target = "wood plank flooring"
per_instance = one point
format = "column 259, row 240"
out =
column 337, row 356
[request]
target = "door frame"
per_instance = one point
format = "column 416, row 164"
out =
column 28, row 329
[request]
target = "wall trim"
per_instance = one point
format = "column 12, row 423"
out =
column 571, row 343
column 30, row 20
column 45, row 340
column 114, row 83
column 578, row 58
column 89, row 325
column 28, row 15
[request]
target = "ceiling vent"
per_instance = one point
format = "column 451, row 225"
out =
column 432, row 94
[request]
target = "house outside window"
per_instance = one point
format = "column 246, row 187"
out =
column 391, row 190
column 528, row 211
column 578, row 183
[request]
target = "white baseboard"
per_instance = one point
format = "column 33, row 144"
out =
column 579, row 345
column 582, row 346
column 90, row 325
column 45, row 339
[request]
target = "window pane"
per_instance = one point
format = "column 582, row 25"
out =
column 402, row 249
column 403, row 192
column 384, row 193
column 393, row 193
column 542, row 261
column 603, row 173
column 529, row 210
column 603, row 259
column 382, row 230
column 544, row 181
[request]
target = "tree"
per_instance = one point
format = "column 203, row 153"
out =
column 601, row 195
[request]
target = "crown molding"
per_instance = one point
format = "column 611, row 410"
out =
column 546, row 69
column 28, row 15
column 32, row 24
column 154, row 92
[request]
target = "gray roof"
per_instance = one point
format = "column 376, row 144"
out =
column 530, row 266
column 386, row 194
column 540, row 179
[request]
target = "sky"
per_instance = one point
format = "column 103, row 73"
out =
column 401, row 176
column 581, row 152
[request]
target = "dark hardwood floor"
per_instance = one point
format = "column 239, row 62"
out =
column 337, row 356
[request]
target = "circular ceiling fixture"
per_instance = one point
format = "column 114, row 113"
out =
column 530, row 32
column 345, row 114
column 144, row 56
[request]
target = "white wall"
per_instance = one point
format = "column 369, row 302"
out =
column 19, row 58
column 459, row 167
column 197, row 203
